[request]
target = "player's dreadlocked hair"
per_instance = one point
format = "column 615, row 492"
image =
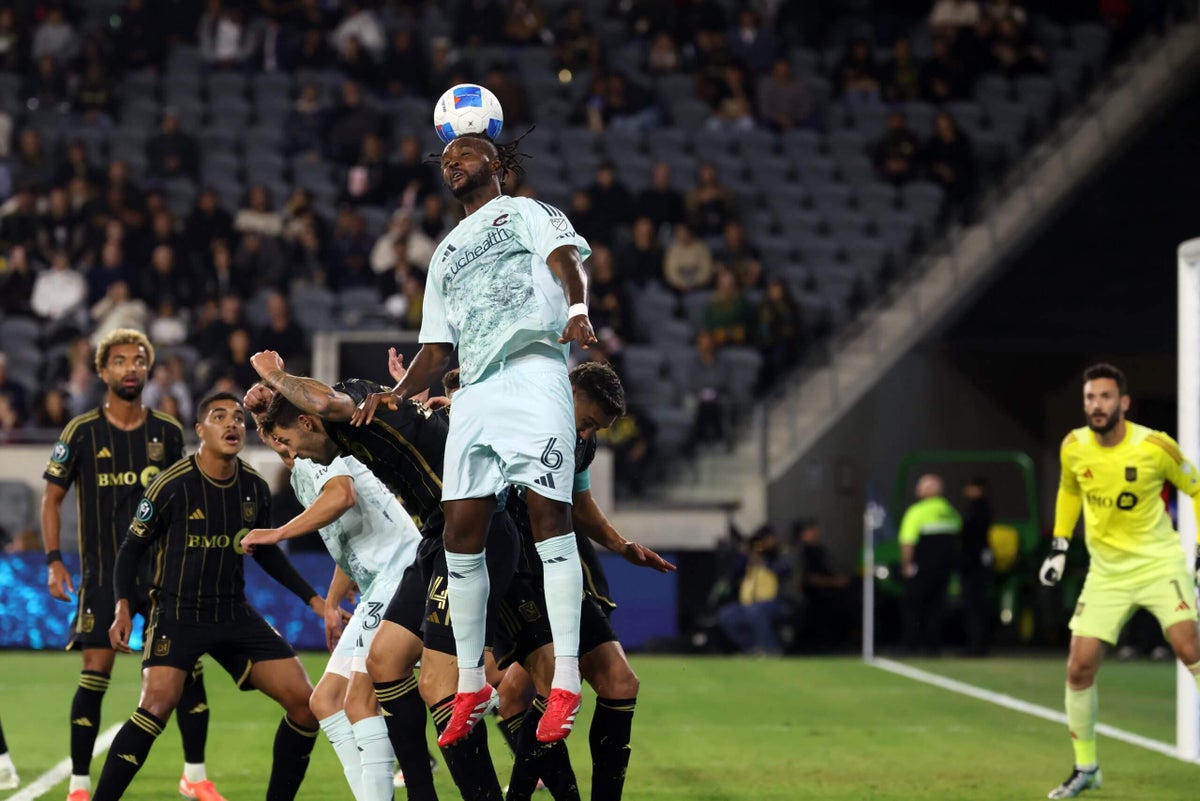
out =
column 509, row 155
column 601, row 384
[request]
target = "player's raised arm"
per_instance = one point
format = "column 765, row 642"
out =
column 590, row 520
column 308, row 395
column 427, row 366
column 1067, row 506
column 336, row 498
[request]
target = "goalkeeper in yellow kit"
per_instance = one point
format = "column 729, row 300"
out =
column 1113, row 470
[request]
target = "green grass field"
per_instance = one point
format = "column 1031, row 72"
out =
column 707, row 729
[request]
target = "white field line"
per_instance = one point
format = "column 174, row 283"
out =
column 1016, row 704
column 45, row 783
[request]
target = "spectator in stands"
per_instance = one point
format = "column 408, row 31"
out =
column 220, row 279
column 172, row 152
column 94, row 100
column 611, row 308
column 216, row 320
column 943, row 77
column 81, row 382
column 688, row 263
column 13, row 391
column 10, row 421
column 169, row 380
column 399, row 265
column 206, row 223
column 50, row 411
column 951, row 16
column 761, row 569
column 350, row 123
column 350, row 253
column 661, row 202
column 731, row 101
column 641, row 261
column 405, row 68
column 360, row 24
column 509, row 90
column 314, row 53
column 727, row 314
column 662, row 57
column 77, row 164
column 478, row 22
column 413, row 293
column 902, row 75
column 435, row 217
column 445, row 62
column 34, row 166
column 951, row 161
column 751, row 43
column 897, row 154
column 259, row 261
column 20, row 225
column 306, row 122
column 258, row 214
column 706, row 386
column 13, row 48
column 16, row 283
column 586, row 221
column 59, row 228
column 1013, row 53
column 414, row 179
column 741, row 257
column 165, row 279
column 226, row 40
column 355, row 63
column 856, row 76
column 612, row 203
column 168, row 326
column 47, row 87
column 113, row 268
column 237, row 368
column 55, row 37
column 576, row 46
column 369, row 179
column 139, row 40
column 418, row 248
column 631, row 439
column 784, row 101
column 281, row 333
column 525, row 24
column 709, row 205
column 779, row 328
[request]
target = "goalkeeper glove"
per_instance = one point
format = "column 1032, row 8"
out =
column 1055, row 563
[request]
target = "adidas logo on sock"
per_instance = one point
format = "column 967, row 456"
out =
column 130, row 758
column 545, row 481
column 81, row 722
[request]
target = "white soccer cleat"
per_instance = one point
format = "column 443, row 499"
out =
column 9, row 780
column 1077, row 782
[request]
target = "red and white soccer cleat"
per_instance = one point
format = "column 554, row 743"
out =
column 198, row 791
column 79, row 794
column 559, row 719
column 469, row 709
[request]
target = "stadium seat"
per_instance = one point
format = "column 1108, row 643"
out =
column 16, row 508
column 694, row 304
column 673, row 429
column 743, row 366
column 1090, row 40
column 17, row 333
column 672, row 334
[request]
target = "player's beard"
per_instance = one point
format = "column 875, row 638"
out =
column 127, row 393
column 1110, row 422
column 473, row 181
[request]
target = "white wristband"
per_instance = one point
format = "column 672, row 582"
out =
column 577, row 309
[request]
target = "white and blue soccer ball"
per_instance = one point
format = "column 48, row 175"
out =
column 467, row 109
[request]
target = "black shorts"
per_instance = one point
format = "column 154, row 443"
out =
column 407, row 607
column 94, row 613
column 524, row 625
column 503, row 551
column 236, row 644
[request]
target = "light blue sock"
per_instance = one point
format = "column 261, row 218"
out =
column 467, row 588
column 564, row 594
column 341, row 737
column 375, row 751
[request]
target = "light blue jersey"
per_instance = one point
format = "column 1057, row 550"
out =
column 489, row 290
column 375, row 537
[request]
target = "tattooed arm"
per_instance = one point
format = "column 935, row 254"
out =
column 308, row 394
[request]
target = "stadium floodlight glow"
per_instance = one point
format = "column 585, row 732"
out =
column 1187, row 709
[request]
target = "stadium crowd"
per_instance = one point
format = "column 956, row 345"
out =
column 126, row 202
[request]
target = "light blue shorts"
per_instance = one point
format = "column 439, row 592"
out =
column 350, row 654
column 515, row 425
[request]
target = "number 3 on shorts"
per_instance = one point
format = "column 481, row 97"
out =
column 373, row 617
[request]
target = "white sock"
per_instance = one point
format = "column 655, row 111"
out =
column 6, row 762
column 563, row 577
column 467, row 588
column 80, row 783
column 194, row 772
column 375, row 751
column 341, row 737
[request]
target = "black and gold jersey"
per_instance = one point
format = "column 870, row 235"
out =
column 405, row 449
column 196, row 525
column 110, row 469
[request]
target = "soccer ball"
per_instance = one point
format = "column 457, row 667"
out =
column 467, row 108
